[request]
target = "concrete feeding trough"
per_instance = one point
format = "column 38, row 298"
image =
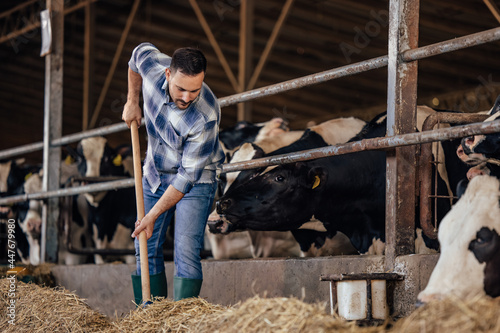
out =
column 361, row 297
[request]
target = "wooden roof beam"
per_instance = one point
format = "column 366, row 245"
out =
column 114, row 63
column 493, row 9
column 215, row 45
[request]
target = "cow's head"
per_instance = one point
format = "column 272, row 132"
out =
column 279, row 198
column 13, row 173
column 481, row 148
column 469, row 263
column 30, row 220
column 96, row 158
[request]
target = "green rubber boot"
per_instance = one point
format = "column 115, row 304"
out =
column 186, row 288
column 157, row 285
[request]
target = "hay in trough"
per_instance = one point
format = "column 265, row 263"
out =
column 479, row 314
column 42, row 309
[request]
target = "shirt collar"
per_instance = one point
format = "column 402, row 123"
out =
column 165, row 88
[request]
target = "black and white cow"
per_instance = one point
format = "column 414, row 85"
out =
column 29, row 220
column 13, row 174
column 481, row 152
column 345, row 193
column 469, row 235
column 271, row 243
column 484, row 148
column 111, row 214
column 245, row 131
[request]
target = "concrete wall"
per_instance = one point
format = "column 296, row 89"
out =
column 108, row 288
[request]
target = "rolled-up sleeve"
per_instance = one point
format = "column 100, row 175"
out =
column 198, row 151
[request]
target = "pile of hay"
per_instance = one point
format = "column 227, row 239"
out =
column 42, row 309
column 279, row 315
column 165, row 315
column 254, row 315
column 479, row 314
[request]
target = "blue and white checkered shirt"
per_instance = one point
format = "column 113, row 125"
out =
column 182, row 143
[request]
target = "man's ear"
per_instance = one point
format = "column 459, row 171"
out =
column 168, row 73
column 317, row 178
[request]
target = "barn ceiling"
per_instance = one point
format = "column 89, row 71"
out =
column 315, row 36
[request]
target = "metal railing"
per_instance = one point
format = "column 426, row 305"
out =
column 363, row 66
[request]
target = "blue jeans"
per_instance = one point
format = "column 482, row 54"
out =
column 191, row 214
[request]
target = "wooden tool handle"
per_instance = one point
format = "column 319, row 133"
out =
column 143, row 241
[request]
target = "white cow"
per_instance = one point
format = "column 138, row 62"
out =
column 469, row 263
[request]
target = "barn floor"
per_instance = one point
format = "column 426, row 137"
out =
column 108, row 287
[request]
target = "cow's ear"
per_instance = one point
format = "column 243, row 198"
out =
column 124, row 150
column 258, row 151
column 317, row 178
column 74, row 154
column 496, row 107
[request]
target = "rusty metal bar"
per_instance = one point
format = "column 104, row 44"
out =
column 363, row 66
column 361, row 276
column 29, row 148
column 452, row 45
column 367, row 144
column 113, row 185
column 401, row 118
column 425, row 166
column 305, row 81
column 52, row 130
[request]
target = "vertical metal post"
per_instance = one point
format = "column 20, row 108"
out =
column 52, row 129
column 88, row 64
column 401, row 118
column 245, row 54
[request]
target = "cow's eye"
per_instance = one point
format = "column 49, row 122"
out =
column 279, row 178
column 484, row 236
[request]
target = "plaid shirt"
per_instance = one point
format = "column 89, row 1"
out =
column 181, row 143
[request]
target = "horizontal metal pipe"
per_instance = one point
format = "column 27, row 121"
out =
column 458, row 43
column 101, row 131
column 359, row 67
column 304, row 81
column 306, row 155
column 112, row 185
column 367, row 144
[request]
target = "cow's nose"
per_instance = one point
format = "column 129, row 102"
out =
column 222, row 205
column 469, row 141
column 460, row 151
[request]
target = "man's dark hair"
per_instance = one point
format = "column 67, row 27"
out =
column 189, row 61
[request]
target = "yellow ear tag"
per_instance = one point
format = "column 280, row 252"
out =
column 316, row 182
column 117, row 161
column 69, row 160
column 28, row 176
